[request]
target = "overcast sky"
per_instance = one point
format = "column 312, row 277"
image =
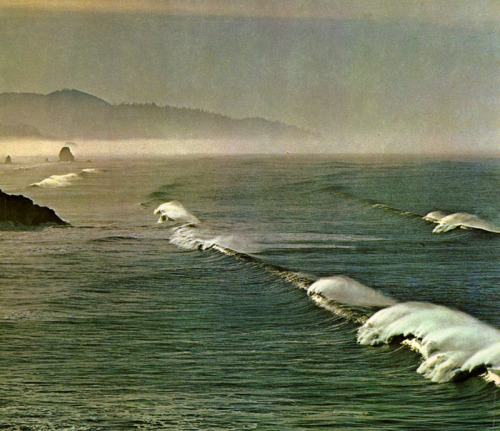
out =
column 396, row 75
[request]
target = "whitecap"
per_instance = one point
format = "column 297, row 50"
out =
column 175, row 211
column 66, row 179
column 452, row 343
column 92, row 171
column 190, row 239
column 449, row 222
column 345, row 290
column 57, row 181
column 434, row 216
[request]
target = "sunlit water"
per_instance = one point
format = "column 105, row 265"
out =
column 119, row 322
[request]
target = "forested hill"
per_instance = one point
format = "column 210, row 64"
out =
column 72, row 114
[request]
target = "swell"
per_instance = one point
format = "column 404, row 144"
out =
column 444, row 222
column 453, row 345
column 55, row 181
column 191, row 238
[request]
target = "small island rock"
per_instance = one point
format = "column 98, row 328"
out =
column 65, row 155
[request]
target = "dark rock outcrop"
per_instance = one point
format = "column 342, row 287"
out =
column 8, row 160
column 65, row 155
column 20, row 211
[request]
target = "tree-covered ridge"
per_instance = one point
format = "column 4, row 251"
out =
column 72, row 114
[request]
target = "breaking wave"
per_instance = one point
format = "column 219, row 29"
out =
column 65, row 180
column 57, row 181
column 446, row 223
column 348, row 291
column 449, row 222
column 92, row 171
column 175, row 211
column 453, row 344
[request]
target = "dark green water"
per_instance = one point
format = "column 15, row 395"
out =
column 107, row 325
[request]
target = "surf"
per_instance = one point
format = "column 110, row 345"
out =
column 175, row 211
column 65, row 180
column 445, row 223
column 453, row 344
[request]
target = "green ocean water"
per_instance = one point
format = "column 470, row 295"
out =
column 111, row 325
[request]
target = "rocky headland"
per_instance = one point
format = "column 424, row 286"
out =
column 20, row 211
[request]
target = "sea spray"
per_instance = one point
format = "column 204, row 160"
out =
column 345, row 290
column 452, row 343
column 453, row 221
column 175, row 211
column 57, row 181
column 65, row 180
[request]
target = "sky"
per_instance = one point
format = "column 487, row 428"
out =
column 405, row 76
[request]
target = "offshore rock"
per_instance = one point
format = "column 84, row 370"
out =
column 65, row 155
column 18, row 210
column 8, row 160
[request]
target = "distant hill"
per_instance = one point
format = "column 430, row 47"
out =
column 72, row 115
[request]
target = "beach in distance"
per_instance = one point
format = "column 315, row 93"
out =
column 251, row 292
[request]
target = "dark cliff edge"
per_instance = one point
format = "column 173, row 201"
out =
column 19, row 212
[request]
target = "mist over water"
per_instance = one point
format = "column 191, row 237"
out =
column 22, row 150
column 121, row 322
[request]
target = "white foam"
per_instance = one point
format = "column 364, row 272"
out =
column 64, row 180
column 449, row 222
column 345, row 290
column 175, row 211
column 434, row 216
column 187, row 238
column 56, row 181
column 452, row 343
column 92, row 171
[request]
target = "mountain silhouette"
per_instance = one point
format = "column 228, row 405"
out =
column 71, row 114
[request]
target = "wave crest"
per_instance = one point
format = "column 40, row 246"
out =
column 176, row 212
column 449, row 222
column 345, row 290
column 55, row 181
column 453, row 344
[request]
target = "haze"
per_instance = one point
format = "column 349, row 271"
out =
column 379, row 76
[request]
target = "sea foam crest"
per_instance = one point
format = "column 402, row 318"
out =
column 190, row 239
column 452, row 343
column 345, row 290
column 57, row 181
column 64, row 180
column 347, row 298
column 92, row 171
column 176, row 212
column 449, row 222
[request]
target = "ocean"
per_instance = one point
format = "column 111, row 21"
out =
column 270, row 293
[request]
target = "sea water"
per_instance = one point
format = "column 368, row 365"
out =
column 309, row 294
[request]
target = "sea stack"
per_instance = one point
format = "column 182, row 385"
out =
column 8, row 160
column 65, row 155
column 21, row 211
